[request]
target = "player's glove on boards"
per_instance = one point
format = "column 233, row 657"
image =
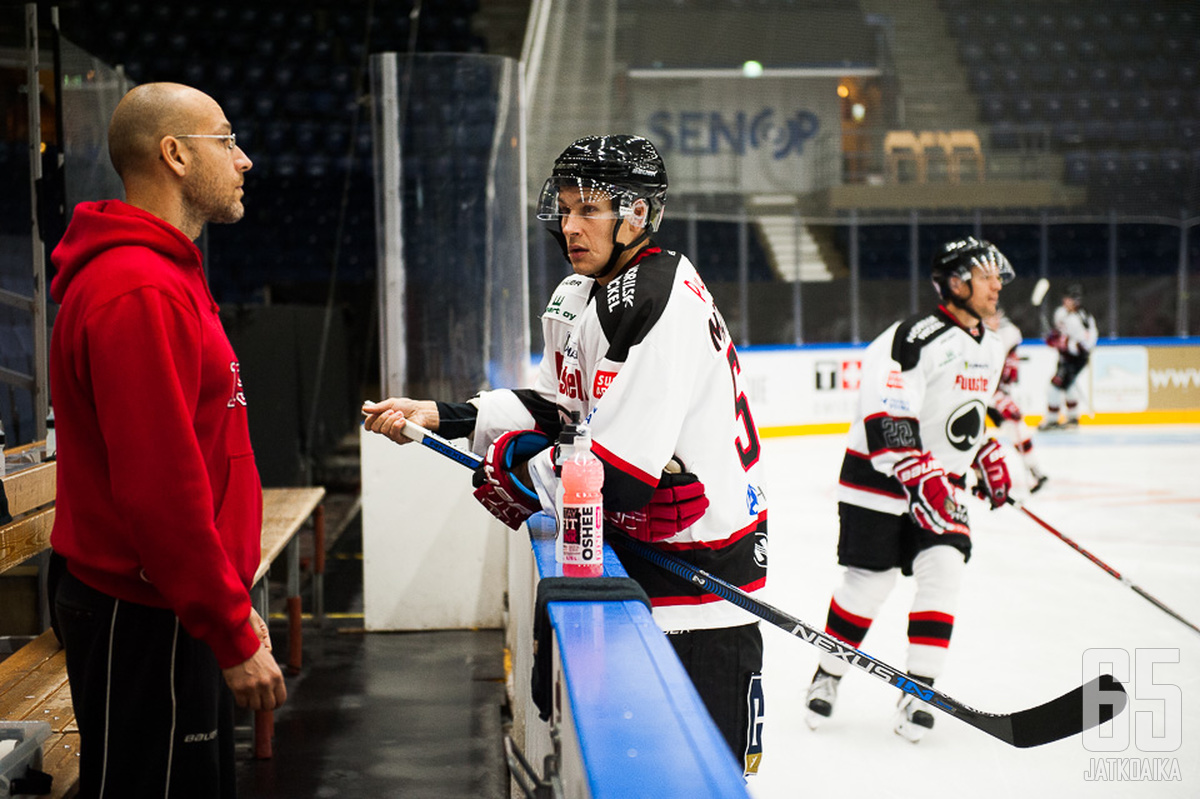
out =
column 994, row 481
column 497, row 488
column 677, row 504
column 930, row 495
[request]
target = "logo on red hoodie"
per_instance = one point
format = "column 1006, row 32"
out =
column 237, row 397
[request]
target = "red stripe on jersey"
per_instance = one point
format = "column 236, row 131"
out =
column 720, row 543
column 624, row 465
column 642, row 254
column 857, row 621
column 944, row 643
column 702, row 599
column 931, row 615
column 885, row 415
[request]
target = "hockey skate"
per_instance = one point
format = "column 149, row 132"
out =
column 912, row 720
column 1070, row 424
column 1048, row 424
column 1036, row 480
column 821, row 696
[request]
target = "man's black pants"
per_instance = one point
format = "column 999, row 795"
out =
column 155, row 716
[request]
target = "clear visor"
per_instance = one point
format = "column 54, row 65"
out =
column 992, row 263
column 581, row 197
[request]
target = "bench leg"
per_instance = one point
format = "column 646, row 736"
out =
column 319, row 565
column 294, row 609
column 264, row 731
column 295, row 635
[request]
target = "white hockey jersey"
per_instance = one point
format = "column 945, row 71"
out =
column 648, row 363
column 1010, row 339
column 926, row 384
column 1079, row 328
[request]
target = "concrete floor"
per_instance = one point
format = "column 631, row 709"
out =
column 383, row 714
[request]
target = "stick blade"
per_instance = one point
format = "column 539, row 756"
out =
column 1066, row 716
column 1039, row 291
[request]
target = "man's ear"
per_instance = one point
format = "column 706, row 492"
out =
column 641, row 209
column 172, row 153
column 956, row 284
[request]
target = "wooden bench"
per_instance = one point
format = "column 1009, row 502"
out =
column 284, row 513
column 33, row 680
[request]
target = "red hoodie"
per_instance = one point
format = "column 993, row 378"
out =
column 159, row 499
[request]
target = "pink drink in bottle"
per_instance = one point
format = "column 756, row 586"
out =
column 582, row 517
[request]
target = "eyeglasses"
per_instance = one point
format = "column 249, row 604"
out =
column 230, row 138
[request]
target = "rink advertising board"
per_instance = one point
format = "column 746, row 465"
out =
column 1174, row 378
column 814, row 389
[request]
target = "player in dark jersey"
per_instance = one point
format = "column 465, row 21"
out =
column 919, row 431
column 636, row 348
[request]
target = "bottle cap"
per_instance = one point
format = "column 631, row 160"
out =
column 566, row 437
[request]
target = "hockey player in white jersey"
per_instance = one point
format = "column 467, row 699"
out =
column 1003, row 409
column 635, row 346
column 1074, row 336
column 919, row 431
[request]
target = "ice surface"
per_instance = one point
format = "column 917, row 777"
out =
column 1030, row 607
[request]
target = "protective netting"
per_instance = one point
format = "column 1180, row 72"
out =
column 837, row 144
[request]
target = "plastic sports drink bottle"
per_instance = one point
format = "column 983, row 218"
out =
column 581, row 516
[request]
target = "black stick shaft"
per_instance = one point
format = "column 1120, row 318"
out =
column 1059, row 718
column 1052, row 721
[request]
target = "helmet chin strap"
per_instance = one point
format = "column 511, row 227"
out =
column 954, row 300
column 617, row 251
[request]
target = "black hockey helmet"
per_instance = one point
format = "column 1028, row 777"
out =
column 612, row 172
column 957, row 257
column 1074, row 292
column 621, row 167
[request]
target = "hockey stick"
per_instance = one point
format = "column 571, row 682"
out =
column 1039, row 292
column 1052, row 721
column 1124, row 580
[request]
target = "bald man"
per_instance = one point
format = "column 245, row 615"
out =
column 159, row 510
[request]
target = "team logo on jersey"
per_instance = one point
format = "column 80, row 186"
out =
column 570, row 378
column 555, row 307
column 924, row 329
column 964, row 383
column 620, row 291
column 964, row 428
column 602, row 382
column 760, row 550
column 895, row 379
column 237, row 396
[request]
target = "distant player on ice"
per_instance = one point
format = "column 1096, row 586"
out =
column 1003, row 409
column 1074, row 336
column 926, row 385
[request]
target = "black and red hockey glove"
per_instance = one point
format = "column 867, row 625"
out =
column 497, row 488
column 931, row 500
column 991, row 471
column 1057, row 340
column 676, row 505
